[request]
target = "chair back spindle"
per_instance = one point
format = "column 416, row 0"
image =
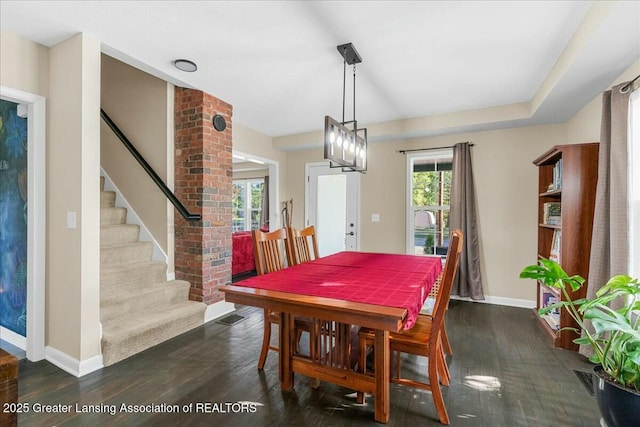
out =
column 303, row 246
column 268, row 251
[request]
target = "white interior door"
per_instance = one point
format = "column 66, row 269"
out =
column 332, row 206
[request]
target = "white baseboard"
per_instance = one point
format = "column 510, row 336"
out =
column 71, row 365
column 218, row 309
column 12, row 338
column 510, row 302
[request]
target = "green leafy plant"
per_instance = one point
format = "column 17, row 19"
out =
column 615, row 336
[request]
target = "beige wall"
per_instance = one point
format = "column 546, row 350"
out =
column 249, row 141
column 73, row 165
column 24, row 65
column 250, row 174
column 68, row 75
column 506, row 185
column 138, row 103
column 584, row 126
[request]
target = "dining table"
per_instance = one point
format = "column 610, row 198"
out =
column 340, row 293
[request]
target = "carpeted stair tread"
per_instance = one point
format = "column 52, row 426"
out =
column 139, row 331
column 139, row 308
column 113, row 216
column 134, row 289
column 107, row 199
column 121, row 301
column 142, row 272
column 119, row 233
column 125, row 253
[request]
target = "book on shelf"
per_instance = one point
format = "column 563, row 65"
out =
column 556, row 184
column 552, row 213
column 552, row 320
column 556, row 244
column 549, row 299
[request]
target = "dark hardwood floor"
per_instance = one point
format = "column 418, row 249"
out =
column 504, row 372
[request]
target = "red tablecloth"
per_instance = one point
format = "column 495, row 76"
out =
column 390, row 280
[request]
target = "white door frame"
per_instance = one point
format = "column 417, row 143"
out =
column 36, row 230
column 307, row 195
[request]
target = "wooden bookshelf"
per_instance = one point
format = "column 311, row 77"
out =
column 573, row 185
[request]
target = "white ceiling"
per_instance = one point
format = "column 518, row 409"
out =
column 277, row 63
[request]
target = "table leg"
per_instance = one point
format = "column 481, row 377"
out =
column 284, row 355
column 382, row 375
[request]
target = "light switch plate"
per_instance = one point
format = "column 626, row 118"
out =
column 375, row 217
column 71, row 220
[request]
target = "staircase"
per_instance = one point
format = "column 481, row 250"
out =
column 139, row 308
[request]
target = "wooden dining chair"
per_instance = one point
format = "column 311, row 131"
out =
column 427, row 310
column 302, row 245
column 268, row 254
column 424, row 339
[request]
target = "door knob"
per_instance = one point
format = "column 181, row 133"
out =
column 351, row 234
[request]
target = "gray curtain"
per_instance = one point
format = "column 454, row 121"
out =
column 462, row 215
column 609, row 242
column 264, row 208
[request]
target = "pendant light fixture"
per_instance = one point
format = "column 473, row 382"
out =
column 345, row 145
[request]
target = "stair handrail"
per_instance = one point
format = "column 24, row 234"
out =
column 154, row 176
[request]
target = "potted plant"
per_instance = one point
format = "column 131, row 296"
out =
column 614, row 336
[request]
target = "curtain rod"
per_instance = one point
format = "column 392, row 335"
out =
column 428, row 149
column 626, row 87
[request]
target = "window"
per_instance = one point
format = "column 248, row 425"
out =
column 247, row 204
column 429, row 185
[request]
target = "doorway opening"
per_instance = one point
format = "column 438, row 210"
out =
column 24, row 270
column 332, row 205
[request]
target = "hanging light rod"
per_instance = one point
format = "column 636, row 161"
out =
column 430, row 148
column 346, row 146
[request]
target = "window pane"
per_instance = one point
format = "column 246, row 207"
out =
column 247, row 203
column 430, row 198
column 255, row 219
column 238, row 195
column 446, row 187
column 238, row 220
column 256, row 194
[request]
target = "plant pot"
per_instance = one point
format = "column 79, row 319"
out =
column 619, row 406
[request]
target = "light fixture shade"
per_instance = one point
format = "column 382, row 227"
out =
column 343, row 147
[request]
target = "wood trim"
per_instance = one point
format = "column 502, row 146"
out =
column 341, row 377
column 382, row 361
column 354, row 313
column 8, row 388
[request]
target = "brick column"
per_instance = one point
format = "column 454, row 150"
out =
column 203, row 182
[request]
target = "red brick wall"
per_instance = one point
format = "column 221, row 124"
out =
column 203, row 182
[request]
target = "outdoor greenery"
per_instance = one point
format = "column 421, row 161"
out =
column 239, row 203
column 615, row 337
column 426, row 187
